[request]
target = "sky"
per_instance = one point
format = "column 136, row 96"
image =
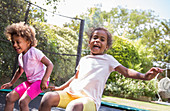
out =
column 71, row 8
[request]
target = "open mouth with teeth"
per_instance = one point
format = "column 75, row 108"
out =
column 96, row 46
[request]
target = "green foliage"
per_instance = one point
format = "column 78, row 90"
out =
column 124, row 51
column 146, row 55
column 7, row 59
column 53, row 3
column 162, row 41
column 129, row 88
column 11, row 11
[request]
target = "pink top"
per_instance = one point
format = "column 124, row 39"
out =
column 94, row 71
column 32, row 65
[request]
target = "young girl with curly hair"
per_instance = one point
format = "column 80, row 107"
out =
column 32, row 61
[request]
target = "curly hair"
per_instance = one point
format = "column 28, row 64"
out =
column 22, row 30
column 109, row 35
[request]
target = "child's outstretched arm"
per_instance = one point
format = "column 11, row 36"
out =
column 16, row 76
column 130, row 73
column 65, row 85
column 49, row 69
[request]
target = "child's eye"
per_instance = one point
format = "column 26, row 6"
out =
column 102, row 40
column 13, row 42
column 94, row 38
column 18, row 42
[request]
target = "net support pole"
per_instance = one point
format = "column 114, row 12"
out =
column 27, row 12
column 80, row 41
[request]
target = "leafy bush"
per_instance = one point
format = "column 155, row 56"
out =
column 130, row 88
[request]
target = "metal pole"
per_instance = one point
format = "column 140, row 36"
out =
column 27, row 12
column 80, row 41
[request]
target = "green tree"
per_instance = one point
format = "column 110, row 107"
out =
column 146, row 55
column 11, row 11
column 161, row 46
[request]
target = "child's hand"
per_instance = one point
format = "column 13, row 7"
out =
column 6, row 85
column 43, row 85
column 153, row 72
column 53, row 88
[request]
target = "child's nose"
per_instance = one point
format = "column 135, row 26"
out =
column 95, row 42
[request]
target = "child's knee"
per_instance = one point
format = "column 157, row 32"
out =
column 50, row 98
column 24, row 100
column 10, row 97
column 47, row 96
column 74, row 106
column 23, row 103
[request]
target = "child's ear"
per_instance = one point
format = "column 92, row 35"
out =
column 29, row 43
column 89, row 44
column 107, row 47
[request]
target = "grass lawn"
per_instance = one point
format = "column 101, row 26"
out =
column 137, row 104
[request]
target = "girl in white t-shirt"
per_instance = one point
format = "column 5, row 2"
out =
column 83, row 92
column 32, row 61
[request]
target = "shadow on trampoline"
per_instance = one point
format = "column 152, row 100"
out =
column 34, row 104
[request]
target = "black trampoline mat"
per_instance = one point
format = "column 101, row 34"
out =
column 34, row 105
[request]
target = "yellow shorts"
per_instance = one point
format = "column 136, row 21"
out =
column 66, row 98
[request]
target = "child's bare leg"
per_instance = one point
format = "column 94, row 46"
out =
column 23, row 102
column 50, row 99
column 10, row 100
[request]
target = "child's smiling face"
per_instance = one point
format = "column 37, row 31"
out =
column 98, row 42
column 20, row 44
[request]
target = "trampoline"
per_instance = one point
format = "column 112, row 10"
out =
column 34, row 104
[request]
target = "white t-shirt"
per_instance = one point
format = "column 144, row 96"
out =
column 94, row 71
column 32, row 65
